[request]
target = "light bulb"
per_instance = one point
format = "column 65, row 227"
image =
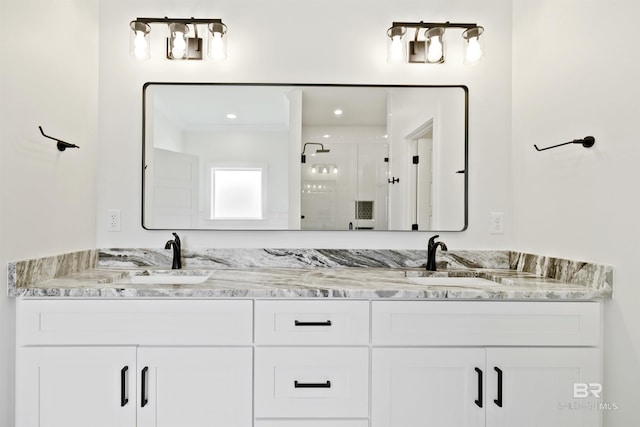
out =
column 474, row 51
column 395, row 46
column 314, row 170
column 179, row 45
column 216, row 48
column 472, row 45
column 335, row 169
column 139, row 40
column 396, row 53
column 434, row 52
column 140, row 45
column 324, row 170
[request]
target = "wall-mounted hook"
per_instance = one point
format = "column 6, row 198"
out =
column 394, row 180
column 586, row 142
column 62, row 145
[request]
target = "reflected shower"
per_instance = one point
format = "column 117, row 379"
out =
column 320, row 150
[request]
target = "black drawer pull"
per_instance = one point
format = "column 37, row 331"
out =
column 297, row 384
column 124, row 377
column 478, row 401
column 325, row 323
column 144, row 399
column 498, row 401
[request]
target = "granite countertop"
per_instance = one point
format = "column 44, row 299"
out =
column 348, row 282
column 308, row 273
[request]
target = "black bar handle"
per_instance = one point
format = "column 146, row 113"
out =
column 326, row 384
column 144, row 399
column 498, row 401
column 479, row 399
column 325, row 323
column 124, row 377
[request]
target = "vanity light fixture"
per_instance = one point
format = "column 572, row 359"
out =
column 428, row 46
column 180, row 44
column 324, row 169
column 320, row 150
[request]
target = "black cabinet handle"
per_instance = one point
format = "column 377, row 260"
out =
column 124, row 377
column 299, row 323
column 479, row 399
column 498, row 401
column 297, row 384
column 143, row 388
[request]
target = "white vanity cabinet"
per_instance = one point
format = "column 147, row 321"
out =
column 306, row 363
column 115, row 363
column 454, row 364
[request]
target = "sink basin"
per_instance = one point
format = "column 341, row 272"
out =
column 452, row 281
column 166, row 279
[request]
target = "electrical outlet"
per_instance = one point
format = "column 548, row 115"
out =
column 113, row 220
column 497, row 223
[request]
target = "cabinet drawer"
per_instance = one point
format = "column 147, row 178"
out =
column 140, row 322
column 422, row 323
column 311, row 382
column 312, row 423
column 312, row 322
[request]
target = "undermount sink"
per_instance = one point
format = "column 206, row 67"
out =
column 166, row 279
column 451, row 281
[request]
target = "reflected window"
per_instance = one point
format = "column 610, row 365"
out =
column 236, row 193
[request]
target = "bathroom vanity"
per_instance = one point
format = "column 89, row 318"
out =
column 313, row 347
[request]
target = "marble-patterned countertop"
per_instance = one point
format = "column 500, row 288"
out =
column 346, row 282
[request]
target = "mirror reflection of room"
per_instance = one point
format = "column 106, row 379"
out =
column 336, row 157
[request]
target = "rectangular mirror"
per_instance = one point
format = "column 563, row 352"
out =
column 304, row 157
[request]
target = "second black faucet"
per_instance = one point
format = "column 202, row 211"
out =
column 175, row 244
column 432, row 248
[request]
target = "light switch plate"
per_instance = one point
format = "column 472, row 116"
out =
column 497, row 223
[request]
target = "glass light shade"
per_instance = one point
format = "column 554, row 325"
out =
column 217, row 46
column 435, row 45
column 178, row 40
column 473, row 45
column 139, row 40
column 396, row 50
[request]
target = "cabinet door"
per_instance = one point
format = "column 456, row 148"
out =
column 75, row 387
column 194, row 387
column 419, row 387
column 533, row 387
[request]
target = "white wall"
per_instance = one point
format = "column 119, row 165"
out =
column 310, row 41
column 48, row 77
column 575, row 73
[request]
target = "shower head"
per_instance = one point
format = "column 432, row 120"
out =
column 320, row 150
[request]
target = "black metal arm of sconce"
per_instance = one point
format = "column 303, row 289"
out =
column 586, row 142
column 62, row 145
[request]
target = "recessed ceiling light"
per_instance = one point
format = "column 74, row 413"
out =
column 232, row 116
column 326, row 136
column 337, row 112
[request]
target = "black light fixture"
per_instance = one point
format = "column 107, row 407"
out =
column 428, row 44
column 180, row 45
column 320, row 150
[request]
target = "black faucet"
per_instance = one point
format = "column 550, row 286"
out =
column 175, row 244
column 432, row 247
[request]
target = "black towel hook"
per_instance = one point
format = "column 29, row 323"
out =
column 586, row 142
column 62, row 145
